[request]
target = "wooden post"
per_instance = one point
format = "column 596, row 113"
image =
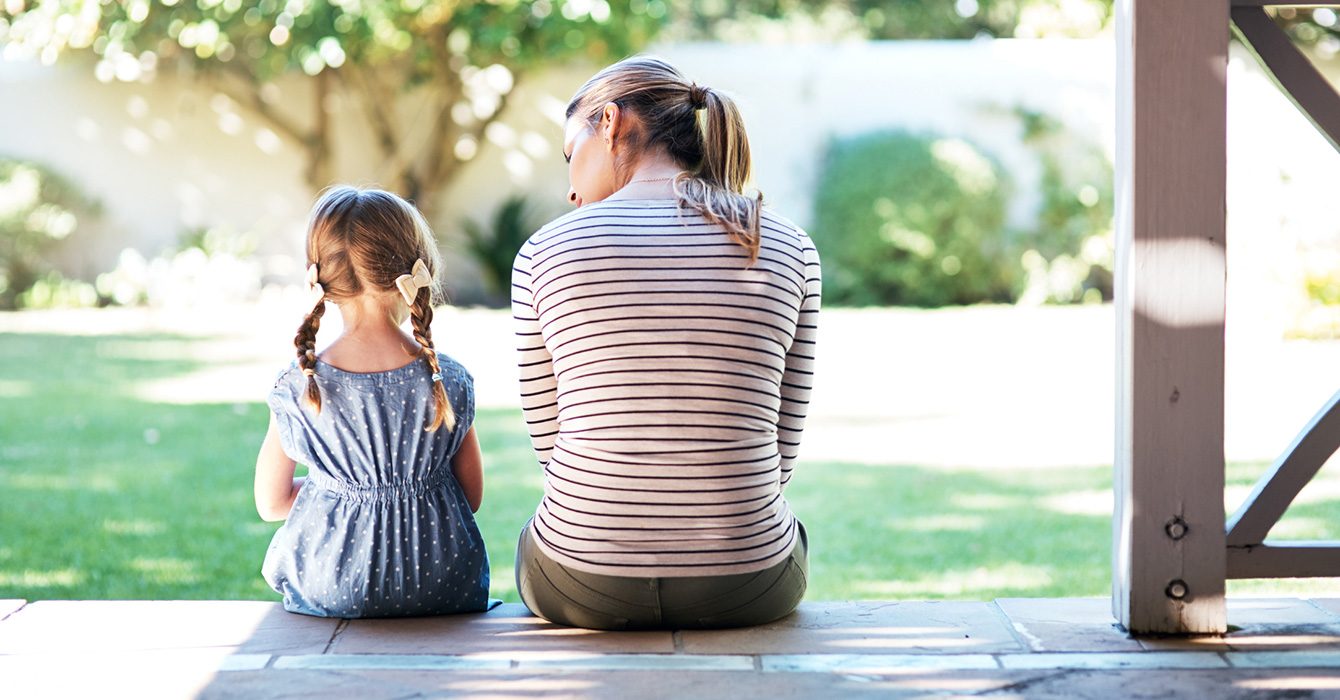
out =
column 1168, row 527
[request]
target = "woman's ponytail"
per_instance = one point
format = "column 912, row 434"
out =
column 699, row 127
column 716, row 190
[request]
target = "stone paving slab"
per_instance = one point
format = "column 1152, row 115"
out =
column 605, row 685
column 1067, row 625
column 1331, row 605
column 507, row 628
column 166, row 674
column 1161, row 660
column 876, row 664
column 1212, row 684
column 68, row 627
column 10, row 606
column 871, row 627
column 1298, row 658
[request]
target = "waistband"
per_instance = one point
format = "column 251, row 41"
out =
column 393, row 491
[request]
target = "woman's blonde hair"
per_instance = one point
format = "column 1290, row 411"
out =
column 364, row 239
column 699, row 127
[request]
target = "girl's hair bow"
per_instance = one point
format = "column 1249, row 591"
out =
column 410, row 284
column 314, row 291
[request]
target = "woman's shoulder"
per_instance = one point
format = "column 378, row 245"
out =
column 609, row 212
column 776, row 224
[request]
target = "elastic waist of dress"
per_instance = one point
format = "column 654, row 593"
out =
column 395, row 491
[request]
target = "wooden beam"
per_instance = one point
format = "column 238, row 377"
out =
column 1299, row 559
column 1295, row 75
column 1277, row 3
column 1169, row 550
column 1275, row 490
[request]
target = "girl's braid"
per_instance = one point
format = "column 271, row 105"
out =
column 422, row 314
column 305, row 341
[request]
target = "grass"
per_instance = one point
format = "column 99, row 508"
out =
column 104, row 494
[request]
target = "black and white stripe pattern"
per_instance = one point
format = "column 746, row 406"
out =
column 665, row 382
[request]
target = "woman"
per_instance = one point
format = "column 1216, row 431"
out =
column 666, row 332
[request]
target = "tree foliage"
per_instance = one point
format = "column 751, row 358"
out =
column 431, row 75
column 890, row 19
column 454, row 62
column 38, row 210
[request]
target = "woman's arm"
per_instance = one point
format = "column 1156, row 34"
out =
column 798, row 378
column 539, row 387
column 468, row 466
column 276, row 489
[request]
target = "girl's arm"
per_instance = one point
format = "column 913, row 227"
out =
column 276, row 489
column 468, row 466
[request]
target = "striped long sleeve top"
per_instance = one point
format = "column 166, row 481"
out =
column 665, row 382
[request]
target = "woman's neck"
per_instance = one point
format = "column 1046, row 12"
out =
column 652, row 178
column 372, row 339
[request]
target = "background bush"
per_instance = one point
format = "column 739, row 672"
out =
column 913, row 220
column 494, row 245
column 1068, row 253
column 38, row 210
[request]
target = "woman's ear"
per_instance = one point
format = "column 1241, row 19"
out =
column 612, row 120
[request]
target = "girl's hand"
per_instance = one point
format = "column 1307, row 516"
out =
column 468, row 466
column 276, row 489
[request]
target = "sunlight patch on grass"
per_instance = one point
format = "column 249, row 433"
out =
column 165, row 570
column 155, row 349
column 1323, row 488
column 980, row 582
column 1235, row 495
column 502, row 581
column 1080, row 502
column 10, row 389
column 985, row 501
column 948, row 522
column 40, row 579
column 133, row 527
column 1301, row 528
column 1280, row 587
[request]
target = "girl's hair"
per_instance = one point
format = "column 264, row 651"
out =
column 699, row 127
column 360, row 240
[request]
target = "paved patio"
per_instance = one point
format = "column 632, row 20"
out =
column 1034, row 648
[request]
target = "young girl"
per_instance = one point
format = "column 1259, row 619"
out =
column 382, row 526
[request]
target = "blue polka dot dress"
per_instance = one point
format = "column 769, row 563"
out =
column 381, row 527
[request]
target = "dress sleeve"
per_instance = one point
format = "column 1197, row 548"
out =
column 539, row 387
column 462, row 399
column 285, row 401
column 798, row 379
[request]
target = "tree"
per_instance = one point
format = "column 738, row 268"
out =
column 1318, row 29
column 452, row 63
column 432, row 75
column 888, row 19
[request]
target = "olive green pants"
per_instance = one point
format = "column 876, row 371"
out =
column 566, row 596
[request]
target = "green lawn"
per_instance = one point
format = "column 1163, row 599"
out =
column 106, row 495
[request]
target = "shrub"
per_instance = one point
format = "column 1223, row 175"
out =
column 495, row 245
column 1068, row 254
column 38, row 210
column 913, row 220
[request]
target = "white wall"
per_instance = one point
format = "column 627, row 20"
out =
column 166, row 156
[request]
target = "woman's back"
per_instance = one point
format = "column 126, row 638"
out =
column 679, row 376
